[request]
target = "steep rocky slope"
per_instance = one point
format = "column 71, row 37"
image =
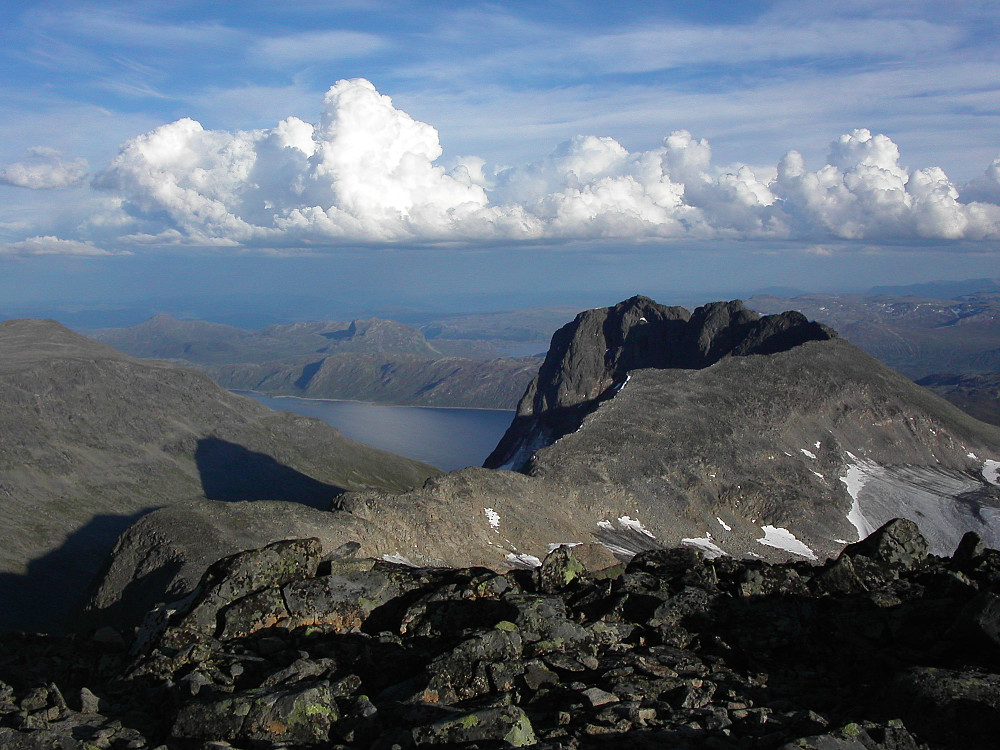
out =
column 883, row 648
column 719, row 430
column 91, row 438
column 590, row 359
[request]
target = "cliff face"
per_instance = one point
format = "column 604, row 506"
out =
column 592, row 356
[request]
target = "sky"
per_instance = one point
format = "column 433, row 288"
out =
column 481, row 155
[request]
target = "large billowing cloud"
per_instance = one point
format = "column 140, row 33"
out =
column 44, row 169
column 368, row 172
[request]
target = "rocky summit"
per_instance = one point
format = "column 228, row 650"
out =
column 591, row 358
column 885, row 647
column 715, row 530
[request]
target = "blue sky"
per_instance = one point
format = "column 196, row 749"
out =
column 428, row 150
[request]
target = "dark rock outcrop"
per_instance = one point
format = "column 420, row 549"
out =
column 870, row 650
column 592, row 356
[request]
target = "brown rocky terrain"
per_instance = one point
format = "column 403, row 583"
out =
column 978, row 395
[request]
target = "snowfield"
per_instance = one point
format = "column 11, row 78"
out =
column 858, row 474
column 710, row 549
column 775, row 536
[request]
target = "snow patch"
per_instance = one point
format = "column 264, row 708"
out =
column 972, row 455
column 526, row 450
column 633, row 523
column 817, row 444
column 553, row 546
column 819, row 475
column 399, row 559
column 841, row 541
column 723, row 524
column 808, row 453
column 783, row 539
column 522, row 560
column 493, row 517
column 857, row 475
column 709, row 548
column 991, row 471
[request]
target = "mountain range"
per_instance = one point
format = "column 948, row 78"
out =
column 934, row 333
column 367, row 359
column 707, row 529
column 649, row 426
column 917, row 335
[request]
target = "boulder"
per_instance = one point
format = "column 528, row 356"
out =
column 898, row 544
column 508, row 725
column 302, row 713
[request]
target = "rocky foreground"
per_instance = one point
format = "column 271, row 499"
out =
column 885, row 647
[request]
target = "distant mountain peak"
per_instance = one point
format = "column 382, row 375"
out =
column 28, row 342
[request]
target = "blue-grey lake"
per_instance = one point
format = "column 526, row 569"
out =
column 446, row 438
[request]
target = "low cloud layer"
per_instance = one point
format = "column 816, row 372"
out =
column 44, row 169
column 367, row 172
column 49, row 245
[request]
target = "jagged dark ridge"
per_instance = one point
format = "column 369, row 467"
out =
column 592, row 356
column 884, row 648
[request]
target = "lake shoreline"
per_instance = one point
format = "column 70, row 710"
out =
column 448, row 438
column 245, row 391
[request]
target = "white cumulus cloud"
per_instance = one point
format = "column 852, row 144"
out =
column 368, row 172
column 44, row 169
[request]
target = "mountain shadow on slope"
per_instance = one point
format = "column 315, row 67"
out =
column 55, row 584
column 87, row 432
column 231, row 472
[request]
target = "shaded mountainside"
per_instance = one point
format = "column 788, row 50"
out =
column 298, row 646
column 737, row 435
column 367, row 360
column 978, row 395
column 91, row 438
